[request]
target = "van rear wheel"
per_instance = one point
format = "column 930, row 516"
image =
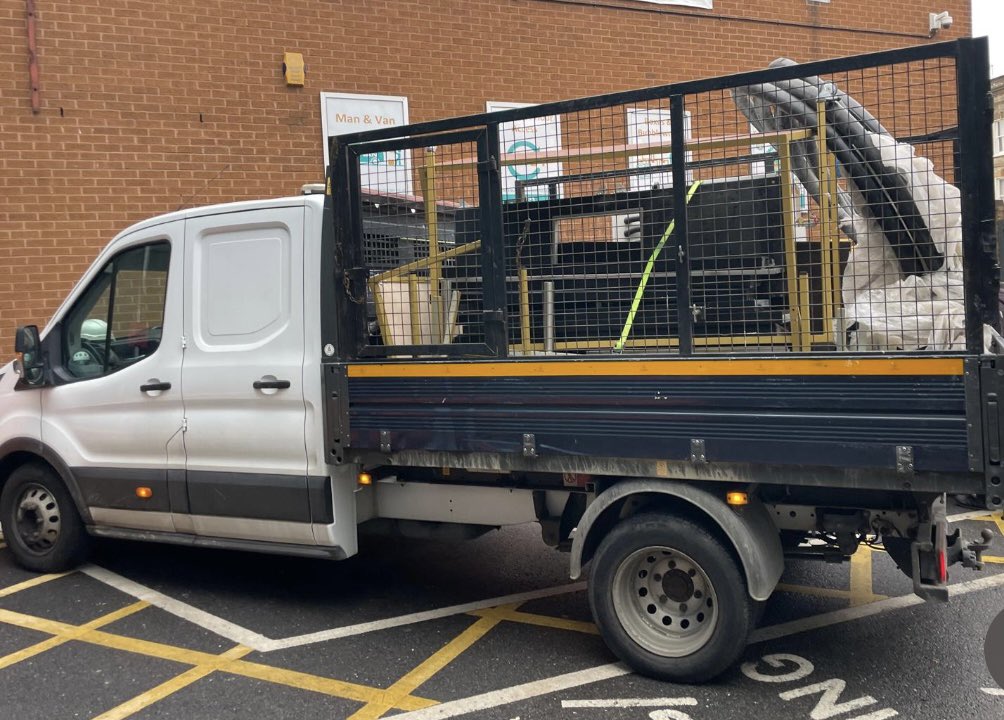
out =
column 40, row 521
column 669, row 598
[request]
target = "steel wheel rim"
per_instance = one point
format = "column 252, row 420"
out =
column 665, row 601
column 37, row 519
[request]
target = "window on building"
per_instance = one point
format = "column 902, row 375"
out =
column 999, row 137
column 999, row 189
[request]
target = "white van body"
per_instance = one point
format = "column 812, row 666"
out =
column 224, row 462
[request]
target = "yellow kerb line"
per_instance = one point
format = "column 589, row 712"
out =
column 280, row 676
column 179, row 682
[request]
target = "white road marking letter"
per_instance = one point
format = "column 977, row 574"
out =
column 630, row 702
column 669, row 715
column 828, row 706
column 803, row 668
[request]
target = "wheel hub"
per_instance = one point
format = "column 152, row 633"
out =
column 677, row 586
column 665, row 601
column 38, row 518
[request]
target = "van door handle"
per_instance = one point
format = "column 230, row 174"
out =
column 271, row 384
column 154, row 386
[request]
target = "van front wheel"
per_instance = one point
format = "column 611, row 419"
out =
column 40, row 521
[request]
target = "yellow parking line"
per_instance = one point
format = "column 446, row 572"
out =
column 993, row 559
column 433, row 664
column 518, row 616
column 75, row 634
column 327, row 686
column 4, row 592
column 179, row 682
column 861, row 577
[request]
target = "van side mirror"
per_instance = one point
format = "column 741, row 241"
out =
column 28, row 345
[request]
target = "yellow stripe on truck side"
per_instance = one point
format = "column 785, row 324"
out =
column 653, row 368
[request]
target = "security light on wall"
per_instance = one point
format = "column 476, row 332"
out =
column 292, row 69
column 939, row 21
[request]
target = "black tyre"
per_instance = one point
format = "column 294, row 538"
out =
column 669, row 598
column 40, row 521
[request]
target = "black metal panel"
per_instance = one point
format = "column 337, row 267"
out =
column 116, row 488
column 822, row 67
column 249, row 495
column 992, row 424
column 492, row 243
column 852, row 421
column 319, row 495
column 981, row 271
column 683, row 315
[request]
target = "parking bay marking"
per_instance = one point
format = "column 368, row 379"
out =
column 27, row 584
column 261, row 643
column 178, row 682
column 859, row 594
column 526, row 691
column 257, row 671
column 76, row 634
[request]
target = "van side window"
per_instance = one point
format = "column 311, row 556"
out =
column 118, row 319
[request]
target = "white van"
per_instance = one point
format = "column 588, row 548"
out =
column 179, row 404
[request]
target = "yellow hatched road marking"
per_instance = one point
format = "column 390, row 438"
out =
column 541, row 620
column 4, row 592
column 179, row 682
column 75, row 634
column 434, row 663
column 257, row 671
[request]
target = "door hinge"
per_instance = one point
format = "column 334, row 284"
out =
column 184, row 342
column 184, row 424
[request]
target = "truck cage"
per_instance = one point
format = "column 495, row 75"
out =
column 803, row 253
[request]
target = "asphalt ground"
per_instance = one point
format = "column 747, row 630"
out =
column 490, row 628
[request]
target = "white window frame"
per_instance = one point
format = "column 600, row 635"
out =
column 999, row 188
column 998, row 137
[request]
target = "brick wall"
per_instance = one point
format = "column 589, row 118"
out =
column 148, row 107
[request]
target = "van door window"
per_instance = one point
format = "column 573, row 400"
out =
column 118, row 319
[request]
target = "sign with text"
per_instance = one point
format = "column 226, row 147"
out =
column 524, row 137
column 653, row 127
column 383, row 172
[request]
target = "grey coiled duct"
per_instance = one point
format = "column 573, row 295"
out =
column 850, row 129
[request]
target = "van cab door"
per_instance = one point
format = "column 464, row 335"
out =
column 243, row 376
column 114, row 413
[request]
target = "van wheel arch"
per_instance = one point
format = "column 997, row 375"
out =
column 750, row 534
column 20, row 451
